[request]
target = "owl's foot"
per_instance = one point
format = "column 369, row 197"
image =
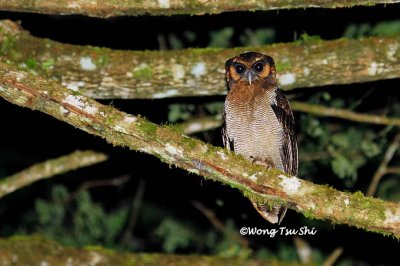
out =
column 272, row 213
column 264, row 162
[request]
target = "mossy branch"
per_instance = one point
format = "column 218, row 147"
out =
column 104, row 73
column 316, row 201
column 49, row 168
column 110, row 8
column 37, row 250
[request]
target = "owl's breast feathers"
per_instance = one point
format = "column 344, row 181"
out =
column 259, row 124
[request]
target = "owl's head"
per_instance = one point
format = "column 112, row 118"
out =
column 250, row 68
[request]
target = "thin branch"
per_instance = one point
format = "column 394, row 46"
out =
column 333, row 257
column 256, row 182
column 116, row 182
column 393, row 170
column 218, row 224
column 210, row 215
column 110, row 74
column 197, row 125
column 49, row 169
column 36, row 250
column 136, row 204
column 211, row 122
column 304, row 250
column 109, row 8
column 344, row 114
column 382, row 169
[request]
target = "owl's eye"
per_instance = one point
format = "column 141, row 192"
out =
column 240, row 68
column 258, row 67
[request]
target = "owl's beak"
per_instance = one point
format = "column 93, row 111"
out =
column 250, row 77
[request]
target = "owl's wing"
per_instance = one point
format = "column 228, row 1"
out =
column 228, row 143
column 285, row 117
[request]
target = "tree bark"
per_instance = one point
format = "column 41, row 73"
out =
column 109, row 74
column 49, row 168
column 256, row 182
column 37, row 250
column 109, row 8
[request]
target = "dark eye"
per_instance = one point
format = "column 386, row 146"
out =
column 258, row 67
column 240, row 68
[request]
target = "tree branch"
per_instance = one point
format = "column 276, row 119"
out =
column 25, row 250
column 48, row 169
column 256, row 182
column 109, row 8
column 382, row 169
column 344, row 114
column 196, row 125
column 109, row 74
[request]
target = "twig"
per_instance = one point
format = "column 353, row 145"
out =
column 314, row 156
column 50, row 168
column 218, row 224
column 344, row 114
column 117, row 181
column 382, row 169
column 136, row 204
column 210, row 215
column 197, row 125
column 303, row 249
column 393, row 170
column 256, row 182
column 333, row 257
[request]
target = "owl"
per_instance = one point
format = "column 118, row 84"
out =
column 258, row 122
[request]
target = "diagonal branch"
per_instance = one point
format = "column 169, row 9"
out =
column 383, row 166
column 48, row 169
column 103, row 73
column 256, row 182
column 109, row 8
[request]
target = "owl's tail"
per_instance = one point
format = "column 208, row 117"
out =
column 272, row 213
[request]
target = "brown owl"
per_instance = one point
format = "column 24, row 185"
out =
column 258, row 122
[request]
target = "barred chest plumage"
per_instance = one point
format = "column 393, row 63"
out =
column 252, row 124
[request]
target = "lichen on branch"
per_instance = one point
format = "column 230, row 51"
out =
column 110, row 74
column 110, row 8
column 49, row 168
column 262, row 185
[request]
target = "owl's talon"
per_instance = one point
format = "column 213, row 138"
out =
column 267, row 164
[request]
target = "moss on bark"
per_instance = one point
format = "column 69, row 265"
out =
column 316, row 201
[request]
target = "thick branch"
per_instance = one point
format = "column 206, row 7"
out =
column 104, row 73
column 316, row 201
column 37, row 250
column 109, row 8
column 48, row 169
